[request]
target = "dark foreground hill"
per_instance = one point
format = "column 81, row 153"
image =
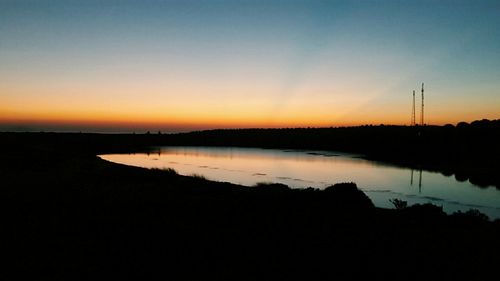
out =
column 69, row 215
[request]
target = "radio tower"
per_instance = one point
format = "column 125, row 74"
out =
column 413, row 111
column 422, row 110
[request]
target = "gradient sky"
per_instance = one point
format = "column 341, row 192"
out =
column 184, row 65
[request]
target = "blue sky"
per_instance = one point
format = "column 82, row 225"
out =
column 168, row 64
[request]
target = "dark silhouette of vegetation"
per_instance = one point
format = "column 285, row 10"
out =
column 471, row 216
column 398, row 203
column 71, row 215
column 468, row 151
column 348, row 196
column 275, row 187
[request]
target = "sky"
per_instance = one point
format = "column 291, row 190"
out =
column 171, row 66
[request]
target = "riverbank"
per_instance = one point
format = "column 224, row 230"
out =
column 71, row 215
column 305, row 168
column 465, row 151
column 468, row 152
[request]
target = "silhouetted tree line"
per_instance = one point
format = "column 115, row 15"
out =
column 468, row 151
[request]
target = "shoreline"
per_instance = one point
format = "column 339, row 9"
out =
column 468, row 152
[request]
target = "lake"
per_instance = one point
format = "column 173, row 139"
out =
column 319, row 169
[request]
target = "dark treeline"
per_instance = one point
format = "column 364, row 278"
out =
column 467, row 151
column 68, row 215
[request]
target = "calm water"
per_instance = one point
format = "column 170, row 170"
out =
column 299, row 169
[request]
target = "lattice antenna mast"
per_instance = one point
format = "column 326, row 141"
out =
column 413, row 111
column 422, row 110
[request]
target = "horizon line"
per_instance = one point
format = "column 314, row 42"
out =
column 117, row 130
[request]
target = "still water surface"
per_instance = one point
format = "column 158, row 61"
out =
column 319, row 169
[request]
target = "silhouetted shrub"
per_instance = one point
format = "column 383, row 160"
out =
column 481, row 123
column 479, row 182
column 462, row 125
column 198, row 177
column 426, row 211
column 398, row 203
column 169, row 171
column 343, row 187
column 447, row 173
column 449, row 126
column 273, row 186
column 472, row 215
column 461, row 177
column 348, row 194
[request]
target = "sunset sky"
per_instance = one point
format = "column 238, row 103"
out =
column 122, row 66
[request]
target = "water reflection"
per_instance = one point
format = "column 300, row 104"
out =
column 419, row 179
column 301, row 169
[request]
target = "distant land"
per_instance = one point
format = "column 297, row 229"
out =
column 469, row 151
column 110, row 127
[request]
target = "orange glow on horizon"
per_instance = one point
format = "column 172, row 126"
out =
column 191, row 111
column 126, row 122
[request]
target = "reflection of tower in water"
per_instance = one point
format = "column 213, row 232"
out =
column 411, row 178
column 419, row 179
